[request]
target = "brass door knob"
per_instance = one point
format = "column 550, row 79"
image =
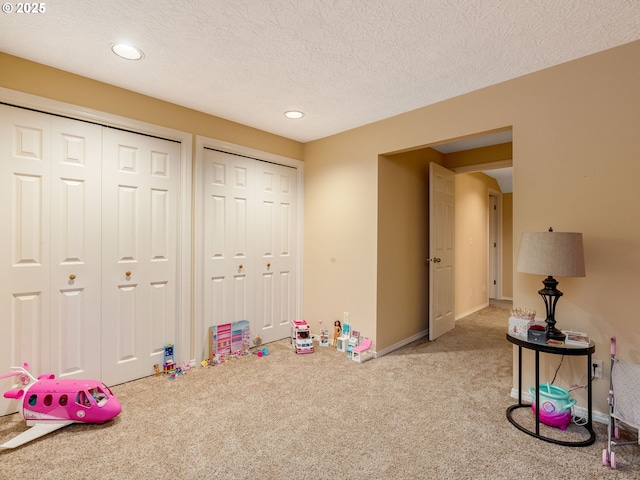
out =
column 127, row 274
column 72, row 277
column 268, row 265
column 241, row 266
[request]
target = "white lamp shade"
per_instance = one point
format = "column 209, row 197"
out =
column 552, row 253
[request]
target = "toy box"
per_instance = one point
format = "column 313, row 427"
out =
column 519, row 327
column 229, row 338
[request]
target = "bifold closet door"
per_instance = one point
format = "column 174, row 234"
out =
column 50, row 245
column 250, row 238
column 141, row 184
column 229, row 224
column 76, row 249
column 276, row 247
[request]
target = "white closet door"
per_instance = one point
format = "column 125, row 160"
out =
column 75, row 249
column 49, row 207
column 250, row 237
column 25, row 292
column 276, row 246
column 229, row 222
column 141, row 187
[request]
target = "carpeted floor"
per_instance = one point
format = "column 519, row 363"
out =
column 431, row 410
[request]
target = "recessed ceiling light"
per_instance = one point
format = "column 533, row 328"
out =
column 127, row 51
column 294, row 114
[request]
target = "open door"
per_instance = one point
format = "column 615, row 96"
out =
column 441, row 250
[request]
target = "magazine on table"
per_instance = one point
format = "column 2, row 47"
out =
column 578, row 339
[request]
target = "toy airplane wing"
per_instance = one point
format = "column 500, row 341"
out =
column 34, row 432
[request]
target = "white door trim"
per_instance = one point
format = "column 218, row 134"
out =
column 46, row 105
column 198, row 288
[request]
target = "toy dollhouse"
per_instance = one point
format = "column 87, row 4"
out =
column 229, row 339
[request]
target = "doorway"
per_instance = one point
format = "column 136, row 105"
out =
column 495, row 245
column 403, row 269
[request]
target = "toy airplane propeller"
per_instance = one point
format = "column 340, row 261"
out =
column 49, row 403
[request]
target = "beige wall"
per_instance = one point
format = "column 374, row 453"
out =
column 340, row 195
column 575, row 148
column 472, row 241
column 478, row 156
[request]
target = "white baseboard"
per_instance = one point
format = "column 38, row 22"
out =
column 401, row 344
column 578, row 411
column 473, row 310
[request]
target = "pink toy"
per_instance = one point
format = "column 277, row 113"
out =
column 301, row 336
column 361, row 353
column 49, row 403
column 555, row 404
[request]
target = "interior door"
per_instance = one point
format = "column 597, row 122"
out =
column 494, row 239
column 141, row 187
column 76, row 249
column 276, row 244
column 229, row 220
column 441, row 250
column 50, row 248
column 25, row 265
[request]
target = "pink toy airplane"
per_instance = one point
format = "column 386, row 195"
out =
column 49, row 403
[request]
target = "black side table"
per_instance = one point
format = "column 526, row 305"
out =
column 554, row 350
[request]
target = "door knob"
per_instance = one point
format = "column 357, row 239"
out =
column 240, row 267
column 127, row 274
column 268, row 265
column 72, row 277
column 434, row 260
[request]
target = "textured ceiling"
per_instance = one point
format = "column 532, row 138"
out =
column 344, row 63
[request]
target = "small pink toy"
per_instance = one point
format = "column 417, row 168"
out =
column 49, row 403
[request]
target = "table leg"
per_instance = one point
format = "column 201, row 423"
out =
column 589, row 406
column 537, row 387
column 519, row 375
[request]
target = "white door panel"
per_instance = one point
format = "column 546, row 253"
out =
column 75, row 248
column 441, row 250
column 141, row 184
column 277, row 224
column 49, row 285
column 25, row 151
column 228, row 217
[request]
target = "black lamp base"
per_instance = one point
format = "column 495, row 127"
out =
column 554, row 334
column 550, row 294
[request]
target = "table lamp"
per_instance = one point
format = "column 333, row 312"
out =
column 551, row 253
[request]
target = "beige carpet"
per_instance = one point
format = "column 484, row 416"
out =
column 431, row 410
